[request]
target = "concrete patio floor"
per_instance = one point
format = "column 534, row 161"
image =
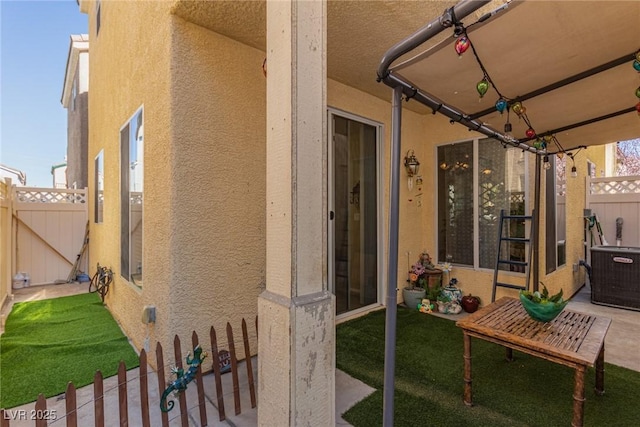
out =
column 621, row 345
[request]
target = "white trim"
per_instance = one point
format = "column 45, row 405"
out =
column 79, row 44
column 476, row 201
column 332, row 111
column 126, row 123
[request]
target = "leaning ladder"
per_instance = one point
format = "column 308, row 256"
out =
column 505, row 259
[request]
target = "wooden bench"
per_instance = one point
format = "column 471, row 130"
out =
column 572, row 339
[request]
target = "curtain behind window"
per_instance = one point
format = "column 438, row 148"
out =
column 455, row 203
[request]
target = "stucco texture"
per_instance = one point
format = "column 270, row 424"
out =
column 204, row 220
column 126, row 76
column 421, row 133
column 204, row 99
column 418, row 228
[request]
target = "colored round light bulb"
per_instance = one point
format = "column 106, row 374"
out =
column 501, row 105
column 462, row 44
column 530, row 133
column 483, row 86
column 518, row 108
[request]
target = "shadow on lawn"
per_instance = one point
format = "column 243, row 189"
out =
column 428, row 391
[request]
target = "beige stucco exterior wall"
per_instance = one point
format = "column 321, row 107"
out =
column 204, row 211
column 125, row 76
column 566, row 277
column 217, row 180
column 204, row 206
column 421, row 133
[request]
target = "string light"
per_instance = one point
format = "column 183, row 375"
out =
column 462, row 44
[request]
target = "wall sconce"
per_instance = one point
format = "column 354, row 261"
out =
column 412, row 165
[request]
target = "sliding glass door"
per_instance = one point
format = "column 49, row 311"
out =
column 353, row 218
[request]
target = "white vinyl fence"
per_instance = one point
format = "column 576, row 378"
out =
column 612, row 198
column 49, row 226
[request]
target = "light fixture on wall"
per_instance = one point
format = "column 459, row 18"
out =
column 412, row 165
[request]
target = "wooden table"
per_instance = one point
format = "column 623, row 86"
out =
column 571, row 339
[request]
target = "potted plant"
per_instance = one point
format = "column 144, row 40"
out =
column 418, row 278
column 541, row 306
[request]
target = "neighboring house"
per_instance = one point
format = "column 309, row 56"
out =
column 14, row 174
column 59, row 173
column 247, row 195
column 75, row 98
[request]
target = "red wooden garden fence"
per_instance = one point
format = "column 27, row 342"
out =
column 43, row 417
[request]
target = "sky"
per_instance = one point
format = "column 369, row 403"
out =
column 34, row 45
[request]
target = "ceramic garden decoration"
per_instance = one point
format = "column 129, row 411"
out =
column 470, row 303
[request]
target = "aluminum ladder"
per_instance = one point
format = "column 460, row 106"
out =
column 503, row 258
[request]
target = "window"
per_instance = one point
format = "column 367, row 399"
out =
column 555, row 229
column 99, row 187
column 476, row 180
column 131, row 198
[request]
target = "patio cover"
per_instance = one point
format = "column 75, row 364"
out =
column 568, row 62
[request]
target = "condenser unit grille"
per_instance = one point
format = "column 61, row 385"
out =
column 615, row 277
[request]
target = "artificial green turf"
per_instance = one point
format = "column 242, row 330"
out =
column 428, row 380
column 50, row 342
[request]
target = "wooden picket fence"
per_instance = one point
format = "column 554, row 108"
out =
column 44, row 417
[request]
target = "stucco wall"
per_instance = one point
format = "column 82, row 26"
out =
column 421, row 133
column 204, row 200
column 77, row 142
column 130, row 69
column 566, row 277
column 418, row 228
column 204, row 208
column 217, row 157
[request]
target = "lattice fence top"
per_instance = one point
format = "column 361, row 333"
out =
column 619, row 185
column 50, row 195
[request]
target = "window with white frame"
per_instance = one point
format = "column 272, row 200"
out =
column 476, row 180
column 99, row 187
column 131, row 198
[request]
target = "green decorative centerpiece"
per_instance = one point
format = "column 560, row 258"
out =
column 541, row 306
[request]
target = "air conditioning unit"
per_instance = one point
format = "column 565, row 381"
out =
column 615, row 276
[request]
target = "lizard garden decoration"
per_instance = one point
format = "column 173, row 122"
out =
column 182, row 379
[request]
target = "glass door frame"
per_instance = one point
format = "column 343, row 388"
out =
column 381, row 241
